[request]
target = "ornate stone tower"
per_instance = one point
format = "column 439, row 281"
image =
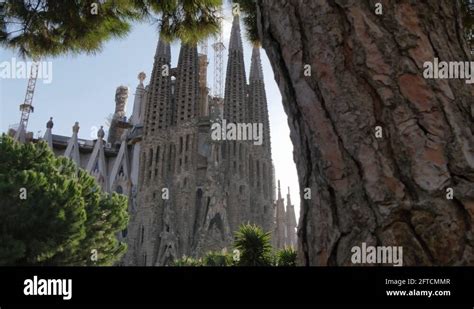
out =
column 115, row 130
column 234, row 151
column 235, row 83
column 194, row 192
column 260, row 161
column 279, row 233
column 155, row 162
column 284, row 233
column 188, row 193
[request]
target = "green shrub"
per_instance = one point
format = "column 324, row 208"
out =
column 187, row 261
column 254, row 246
column 218, row 259
column 286, row 257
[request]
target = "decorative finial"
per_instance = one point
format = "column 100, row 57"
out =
column 121, row 96
column 141, row 77
column 50, row 124
column 75, row 128
column 101, row 133
column 288, row 189
column 236, row 12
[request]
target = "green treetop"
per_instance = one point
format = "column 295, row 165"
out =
column 54, row 213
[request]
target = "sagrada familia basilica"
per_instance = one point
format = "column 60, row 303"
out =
column 188, row 193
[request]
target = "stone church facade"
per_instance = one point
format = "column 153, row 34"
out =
column 188, row 193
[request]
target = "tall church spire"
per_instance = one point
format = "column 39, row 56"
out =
column 163, row 50
column 257, row 99
column 279, row 190
column 187, row 83
column 158, row 105
column 288, row 198
column 279, row 233
column 235, row 84
column 256, row 73
column 235, row 36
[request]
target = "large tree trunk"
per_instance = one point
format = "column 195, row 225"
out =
column 367, row 71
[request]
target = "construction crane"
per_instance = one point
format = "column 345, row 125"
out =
column 218, row 46
column 27, row 107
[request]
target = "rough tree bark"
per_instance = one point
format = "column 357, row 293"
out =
column 367, row 71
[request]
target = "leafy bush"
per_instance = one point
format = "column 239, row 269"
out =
column 254, row 246
column 286, row 257
column 218, row 259
column 187, row 261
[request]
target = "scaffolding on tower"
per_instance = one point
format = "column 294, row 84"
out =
column 27, row 107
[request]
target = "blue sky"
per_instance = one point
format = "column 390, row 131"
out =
column 83, row 89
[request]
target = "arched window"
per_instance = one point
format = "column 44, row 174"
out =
column 198, row 199
column 119, row 190
column 199, row 193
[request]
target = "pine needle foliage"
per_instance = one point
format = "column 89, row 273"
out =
column 38, row 28
column 248, row 9
column 42, row 28
column 54, row 213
